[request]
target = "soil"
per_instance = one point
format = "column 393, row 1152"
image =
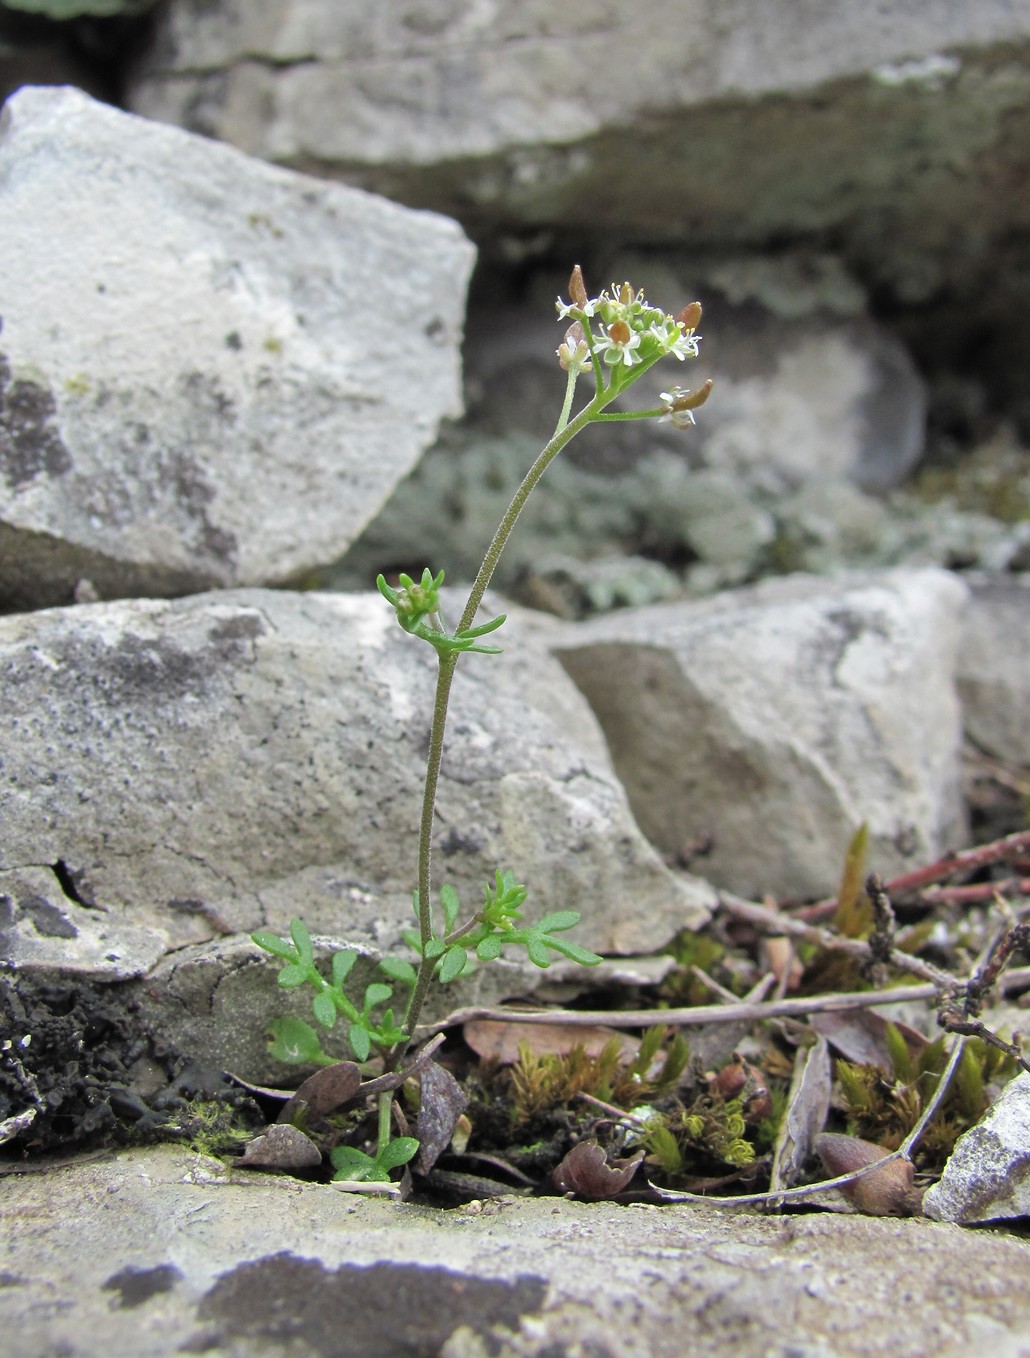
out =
column 74, row 1053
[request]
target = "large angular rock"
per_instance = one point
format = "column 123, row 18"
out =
column 776, row 719
column 993, row 677
column 177, row 770
column 730, row 122
column 212, row 372
column 987, row 1177
column 163, row 1252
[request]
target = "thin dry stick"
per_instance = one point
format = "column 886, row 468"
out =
column 775, row 1199
column 772, row 920
column 699, row 1015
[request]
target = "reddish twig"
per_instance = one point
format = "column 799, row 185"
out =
column 962, row 861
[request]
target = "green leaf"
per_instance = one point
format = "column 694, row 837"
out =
column 537, row 952
column 575, row 953
column 296, row 1043
column 376, row 993
column 293, row 975
column 435, row 947
column 490, row 948
column 350, row 1163
column 274, row 944
column 398, row 970
column 360, row 1041
column 302, row 940
column 343, row 961
column 324, row 1009
column 451, row 906
column 453, row 964
column 557, row 922
column 397, row 1152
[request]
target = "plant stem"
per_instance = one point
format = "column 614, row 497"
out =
column 444, row 676
column 564, row 433
column 561, row 437
column 385, row 1105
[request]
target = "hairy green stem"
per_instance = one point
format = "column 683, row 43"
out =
column 564, row 433
column 385, row 1102
column 444, row 676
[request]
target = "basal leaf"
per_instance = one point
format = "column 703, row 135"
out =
column 343, row 961
column 360, row 1041
column 397, row 1152
column 557, row 922
column 272, row 943
column 301, row 940
column 292, row 975
column 324, row 1009
column 296, row 1043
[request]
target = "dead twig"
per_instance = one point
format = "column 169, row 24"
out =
column 700, row 1015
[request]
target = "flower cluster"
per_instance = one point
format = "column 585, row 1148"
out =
column 630, row 332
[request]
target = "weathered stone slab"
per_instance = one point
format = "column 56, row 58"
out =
column 987, row 1177
column 212, row 372
column 993, row 675
column 777, row 719
column 163, row 1252
column 221, row 763
column 844, row 119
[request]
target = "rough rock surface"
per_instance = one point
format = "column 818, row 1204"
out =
column 993, row 676
column 165, row 1252
column 509, row 99
column 777, row 719
column 987, row 1177
column 886, row 133
column 224, row 762
column 202, row 378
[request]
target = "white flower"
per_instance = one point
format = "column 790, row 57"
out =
column 574, row 310
column 573, row 352
column 619, row 345
column 685, row 345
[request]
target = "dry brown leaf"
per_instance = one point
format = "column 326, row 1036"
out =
column 321, row 1093
column 860, row 1036
column 494, row 1040
column 280, row 1146
column 807, row 1108
column 586, row 1172
column 441, row 1104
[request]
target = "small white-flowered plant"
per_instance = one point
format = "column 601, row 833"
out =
column 629, row 335
column 617, row 336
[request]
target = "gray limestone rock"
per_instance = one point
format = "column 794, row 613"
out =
column 993, row 676
column 987, row 1177
column 212, row 372
column 212, row 765
column 718, row 121
column 776, row 719
column 161, row 1252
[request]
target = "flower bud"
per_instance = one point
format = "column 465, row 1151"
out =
column 690, row 316
column 573, row 352
column 578, row 288
column 677, row 399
